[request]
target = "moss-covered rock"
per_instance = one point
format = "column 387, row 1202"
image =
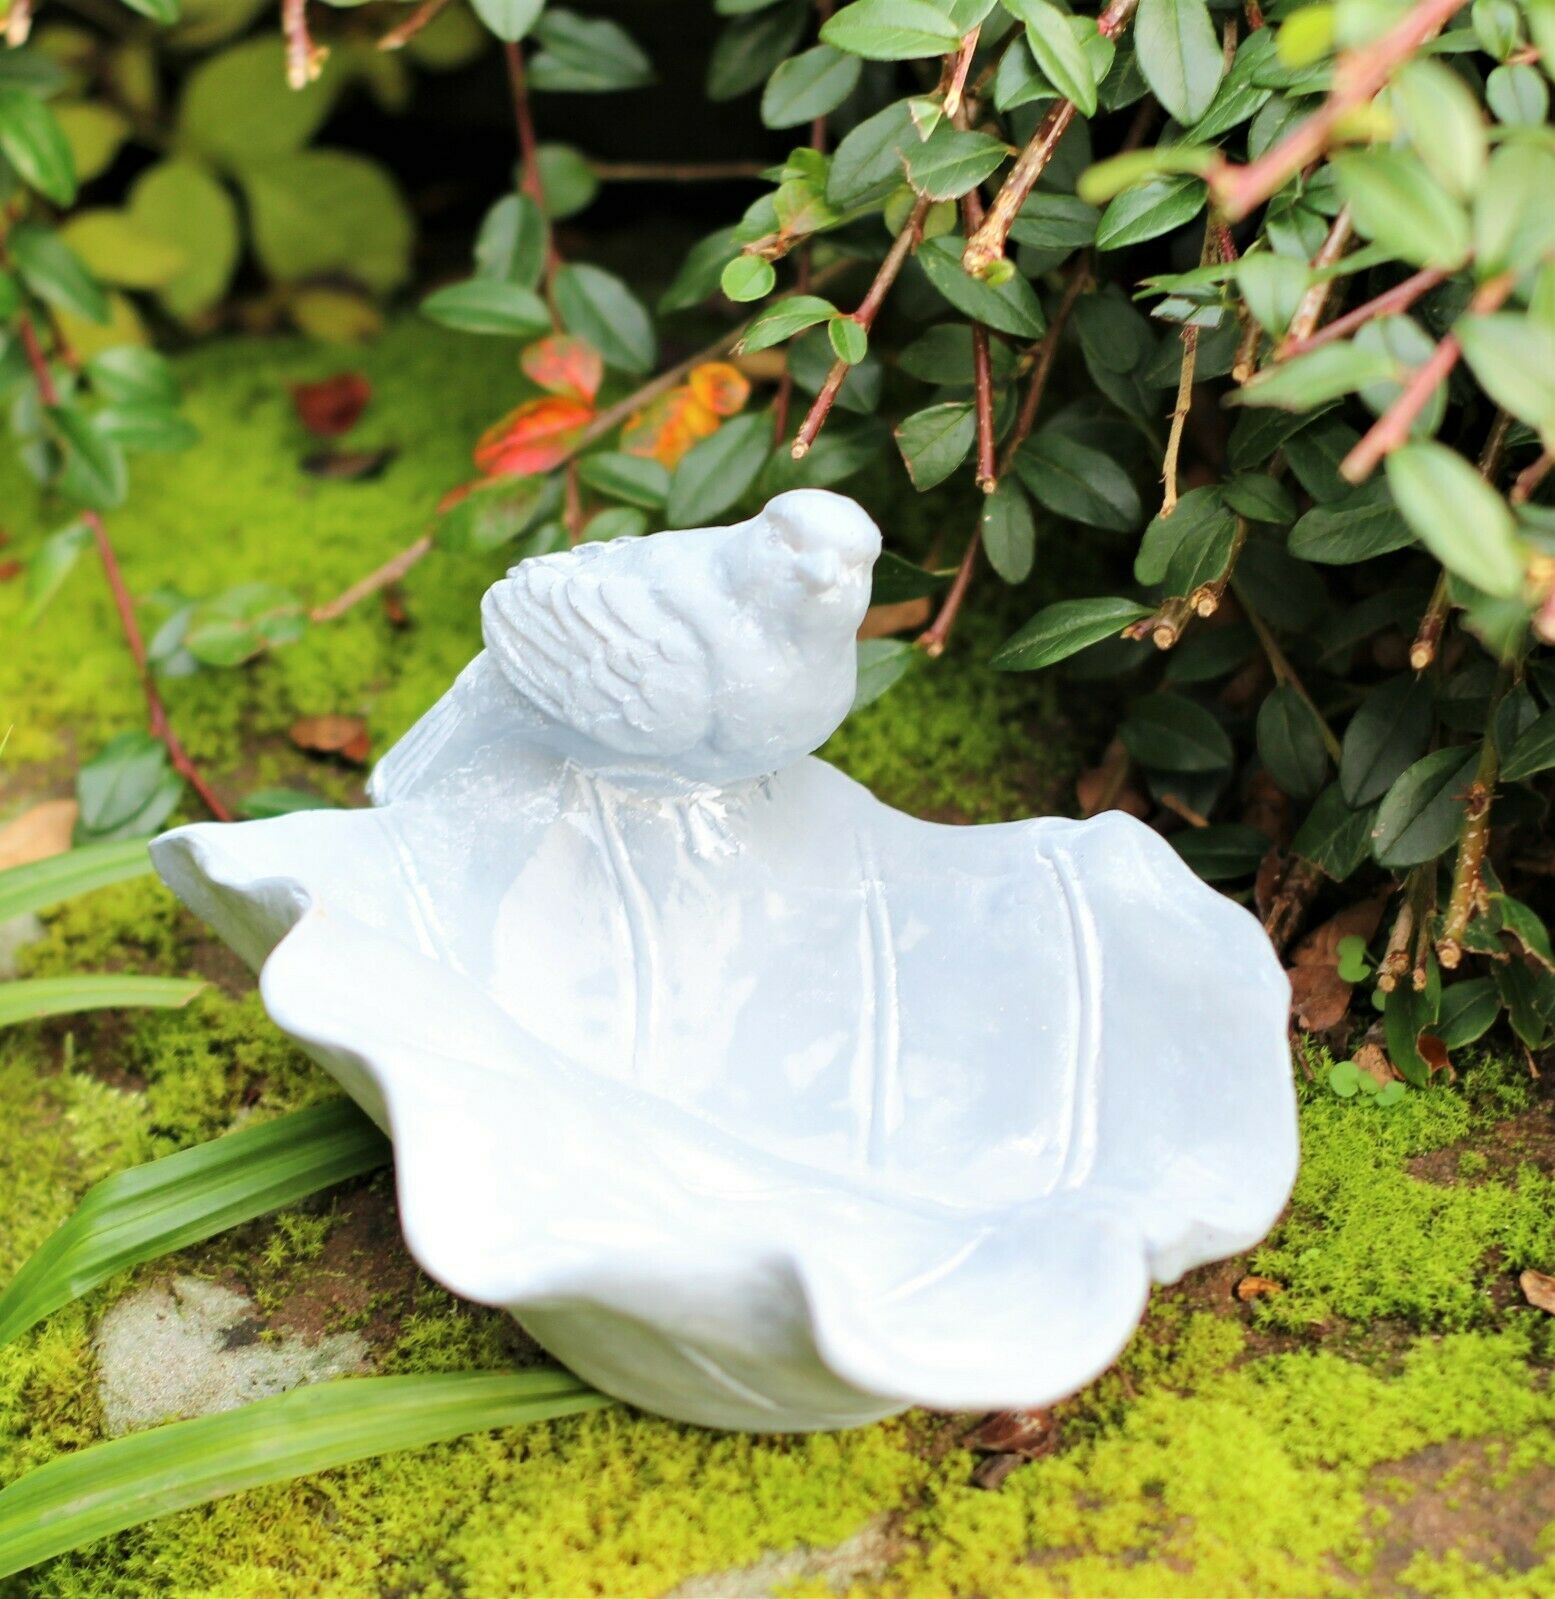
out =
column 1334, row 1437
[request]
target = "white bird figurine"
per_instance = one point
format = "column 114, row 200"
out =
column 707, row 656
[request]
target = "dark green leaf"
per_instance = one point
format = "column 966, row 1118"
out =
column 951, row 161
column 1055, row 222
column 807, row 86
column 33, row 142
column 1221, row 851
column 1075, row 481
column 1387, row 734
column 266, row 802
column 141, row 425
column 882, row 664
column 896, row 580
column 868, row 162
column 488, row 305
column 1420, row 816
column 1468, row 1011
column 127, row 790
column 243, row 622
column 585, row 55
column 891, row 30
column 94, row 472
column 1200, row 517
column 512, row 242
column 1151, row 209
column 602, row 311
column 1533, row 752
column 1180, row 55
column 1363, row 524
column 130, row 374
column 783, row 319
column 630, row 478
column 508, row 19
column 1171, row 733
column 1335, row 838
column 935, row 441
column 54, row 272
column 1260, row 498
column 1290, row 742
column 1011, row 307
column 1408, row 1012
column 717, row 470
column 1009, row 533
column 700, row 271
column 750, row 48
column 1064, row 629
column 1057, row 52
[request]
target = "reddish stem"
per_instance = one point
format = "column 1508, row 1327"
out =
column 1392, row 428
column 398, row 38
column 159, row 726
column 1358, row 77
column 869, row 308
column 1399, row 298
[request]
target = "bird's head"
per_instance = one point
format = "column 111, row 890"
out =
column 809, row 553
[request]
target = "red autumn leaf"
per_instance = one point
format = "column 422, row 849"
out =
column 333, row 405
column 10, row 570
column 722, row 388
column 564, row 365
column 533, row 438
column 667, row 427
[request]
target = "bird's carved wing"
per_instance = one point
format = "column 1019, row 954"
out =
column 590, row 641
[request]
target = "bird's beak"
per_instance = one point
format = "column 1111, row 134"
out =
column 820, row 571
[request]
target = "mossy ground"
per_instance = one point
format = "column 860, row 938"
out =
column 1385, row 1425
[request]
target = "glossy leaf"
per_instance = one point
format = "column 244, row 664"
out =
column 1395, row 201
column 1057, row 51
column 585, row 55
column 1388, row 732
column 151, row 1210
column 1079, row 482
column 935, row 441
column 29, row 999
column 1180, row 55
column 85, row 1495
column 1420, row 816
column 487, row 305
column 783, row 319
column 1011, row 307
column 33, row 142
column 891, row 30
column 1009, row 532
column 1171, row 733
column 807, row 86
column 1464, row 523
column 1064, row 629
column 717, row 472
column 600, row 309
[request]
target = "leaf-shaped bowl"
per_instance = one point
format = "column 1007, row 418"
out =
column 775, row 1108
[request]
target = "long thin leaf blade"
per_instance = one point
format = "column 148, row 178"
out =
column 32, row 997
column 110, row 1486
column 166, row 1204
column 39, row 884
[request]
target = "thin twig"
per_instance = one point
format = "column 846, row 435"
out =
column 1206, row 598
column 936, row 636
column 1284, row 672
column 159, row 725
column 1399, row 298
column 1393, row 427
column 1531, row 477
column 869, row 308
column 1468, row 872
column 987, row 244
column 397, row 38
column 304, row 58
column 1313, row 303
column 677, row 171
column 391, row 571
column 1358, row 77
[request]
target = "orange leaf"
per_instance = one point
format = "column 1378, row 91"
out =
column 722, row 388
column 667, row 427
column 564, row 365
column 533, row 438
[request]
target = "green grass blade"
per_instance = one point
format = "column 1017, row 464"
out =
column 39, row 884
column 33, row 997
column 165, row 1204
column 111, row 1486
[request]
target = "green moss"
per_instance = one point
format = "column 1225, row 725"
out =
column 1371, row 1235
column 1271, row 1449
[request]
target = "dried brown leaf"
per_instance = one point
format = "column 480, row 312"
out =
column 1539, row 1290
column 881, row 621
column 348, row 466
column 1373, row 1060
column 1321, row 946
column 1319, row 997
column 1027, row 1434
column 38, row 833
column 1250, row 1288
column 344, row 737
